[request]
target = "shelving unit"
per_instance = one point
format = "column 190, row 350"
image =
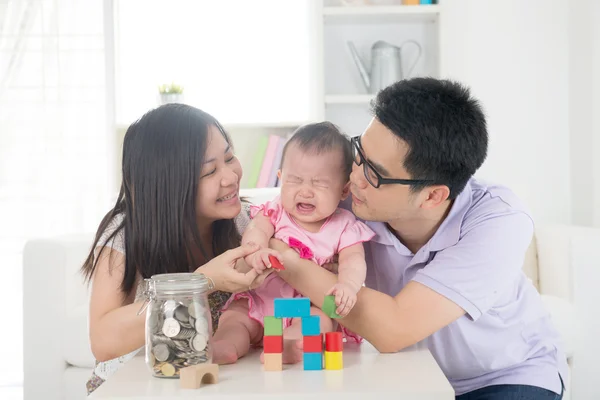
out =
column 425, row 13
column 342, row 97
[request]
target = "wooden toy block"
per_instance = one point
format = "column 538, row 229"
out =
column 275, row 264
column 194, row 376
column 298, row 307
column 333, row 360
column 273, row 362
column 313, row 344
column 334, row 342
column 273, row 344
column 273, row 326
column 313, row 361
column 329, row 307
column 311, row 326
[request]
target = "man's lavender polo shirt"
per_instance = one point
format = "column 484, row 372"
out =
column 475, row 260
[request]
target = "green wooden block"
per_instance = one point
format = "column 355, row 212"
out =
column 273, row 326
column 329, row 307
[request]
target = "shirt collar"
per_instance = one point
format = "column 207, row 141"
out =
column 447, row 234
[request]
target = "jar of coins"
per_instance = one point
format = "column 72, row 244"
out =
column 178, row 323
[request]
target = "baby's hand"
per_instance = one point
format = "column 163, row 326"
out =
column 260, row 259
column 345, row 297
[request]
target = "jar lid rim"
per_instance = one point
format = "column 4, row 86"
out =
column 178, row 282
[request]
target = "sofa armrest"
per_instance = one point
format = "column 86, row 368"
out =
column 51, row 289
column 586, row 296
column 556, row 257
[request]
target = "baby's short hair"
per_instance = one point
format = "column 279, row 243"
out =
column 319, row 138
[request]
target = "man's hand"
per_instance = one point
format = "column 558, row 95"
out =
column 345, row 297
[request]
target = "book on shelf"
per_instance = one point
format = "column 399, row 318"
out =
column 267, row 161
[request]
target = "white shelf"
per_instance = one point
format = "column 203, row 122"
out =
column 333, row 99
column 379, row 13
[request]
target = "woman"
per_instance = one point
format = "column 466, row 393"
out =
column 178, row 210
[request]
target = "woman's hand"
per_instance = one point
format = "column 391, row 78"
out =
column 221, row 270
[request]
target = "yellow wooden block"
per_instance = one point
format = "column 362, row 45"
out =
column 333, row 360
column 273, row 361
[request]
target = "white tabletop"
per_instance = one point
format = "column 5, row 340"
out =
column 410, row 374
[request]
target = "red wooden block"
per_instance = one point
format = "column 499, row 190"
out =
column 273, row 344
column 333, row 341
column 313, row 344
column 275, row 263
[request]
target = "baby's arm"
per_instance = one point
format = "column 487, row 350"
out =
column 258, row 232
column 352, row 272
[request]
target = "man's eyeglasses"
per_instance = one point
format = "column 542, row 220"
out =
column 374, row 177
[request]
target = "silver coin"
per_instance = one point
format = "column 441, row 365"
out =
column 161, row 352
column 199, row 342
column 181, row 314
column 159, row 338
column 185, row 333
column 171, row 327
column 201, row 326
column 196, row 309
column 169, row 307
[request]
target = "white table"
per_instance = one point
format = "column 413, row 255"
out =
column 410, row 374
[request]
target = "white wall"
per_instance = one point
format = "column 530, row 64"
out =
column 584, row 109
column 595, row 11
column 514, row 56
column 581, row 110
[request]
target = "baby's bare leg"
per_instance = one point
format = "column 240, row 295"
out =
column 235, row 333
column 292, row 336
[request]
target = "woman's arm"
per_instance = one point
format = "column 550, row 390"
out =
column 115, row 327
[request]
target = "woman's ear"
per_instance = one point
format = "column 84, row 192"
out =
column 279, row 174
column 346, row 191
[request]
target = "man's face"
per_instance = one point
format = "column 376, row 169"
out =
column 390, row 202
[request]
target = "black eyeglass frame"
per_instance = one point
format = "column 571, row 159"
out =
column 362, row 160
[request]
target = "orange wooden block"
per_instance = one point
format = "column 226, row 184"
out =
column 273, row 361
column 194, row 376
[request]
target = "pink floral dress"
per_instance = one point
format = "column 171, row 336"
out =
column 341, row 230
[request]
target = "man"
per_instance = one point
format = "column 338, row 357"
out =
column 445, row 264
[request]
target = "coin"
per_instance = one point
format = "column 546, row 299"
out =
column 168, row 369
column 171, row 327
column 201, row 326
column 169, row 307
column 185, row 333
column 161, row 352
column 198, row 342
column 182, row 314
column 196, row 310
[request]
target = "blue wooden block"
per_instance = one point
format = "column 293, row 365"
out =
column 313, row 361
column 311, row 326
column 292, row 308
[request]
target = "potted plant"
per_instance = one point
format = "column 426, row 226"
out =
column 170, row 93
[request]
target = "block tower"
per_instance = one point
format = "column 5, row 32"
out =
column 311, row 335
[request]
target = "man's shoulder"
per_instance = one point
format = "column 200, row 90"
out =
column 492, row 201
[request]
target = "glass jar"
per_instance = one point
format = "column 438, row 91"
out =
column 178, row 323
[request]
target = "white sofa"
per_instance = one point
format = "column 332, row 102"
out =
column 58, row 361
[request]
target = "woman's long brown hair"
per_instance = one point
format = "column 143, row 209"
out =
column 162, row 157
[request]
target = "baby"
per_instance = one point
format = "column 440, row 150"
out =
column 315, row 170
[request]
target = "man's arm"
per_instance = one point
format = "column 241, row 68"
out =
column 388, row 323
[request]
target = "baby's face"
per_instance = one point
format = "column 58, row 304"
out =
column 312, row 185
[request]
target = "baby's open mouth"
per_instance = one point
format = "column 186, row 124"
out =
column 305, row 207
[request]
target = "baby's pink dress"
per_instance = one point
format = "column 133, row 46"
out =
column 341, row 230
